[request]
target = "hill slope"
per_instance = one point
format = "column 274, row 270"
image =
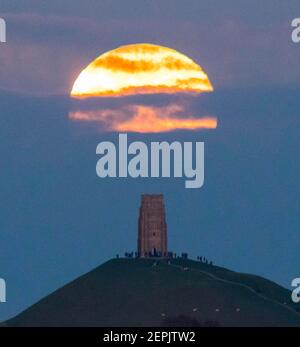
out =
column 135, row 292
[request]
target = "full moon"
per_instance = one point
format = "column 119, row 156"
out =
column 140, row 69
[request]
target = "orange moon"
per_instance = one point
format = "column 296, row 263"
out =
column 140, row 69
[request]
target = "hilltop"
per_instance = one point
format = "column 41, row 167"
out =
column 142, row 292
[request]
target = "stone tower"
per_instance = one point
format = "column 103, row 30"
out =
column 152, row 233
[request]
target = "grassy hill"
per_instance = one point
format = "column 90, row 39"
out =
column 137, row 292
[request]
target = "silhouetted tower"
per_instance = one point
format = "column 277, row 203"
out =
column 152, row 233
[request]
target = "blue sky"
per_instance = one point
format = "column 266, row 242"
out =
column 239, row 44
column 58, row 220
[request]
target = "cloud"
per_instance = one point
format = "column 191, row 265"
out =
column 116, row 62
column 143, row 119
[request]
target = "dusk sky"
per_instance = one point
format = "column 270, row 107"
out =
column 59, row 220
